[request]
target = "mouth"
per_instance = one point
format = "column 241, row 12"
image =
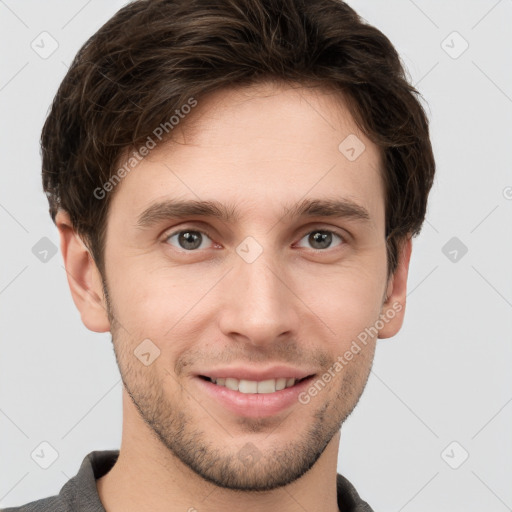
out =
column 266, row 386
column 254, row 398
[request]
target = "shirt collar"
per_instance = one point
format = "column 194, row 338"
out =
column 81, row 493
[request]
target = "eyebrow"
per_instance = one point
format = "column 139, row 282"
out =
column 180, row 209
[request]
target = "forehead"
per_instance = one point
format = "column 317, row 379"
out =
column 259, row 147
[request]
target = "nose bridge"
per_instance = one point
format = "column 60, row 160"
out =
column 258, row 303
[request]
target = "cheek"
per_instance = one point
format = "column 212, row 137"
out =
column 144, row 303
column 349, row 297
column 165, row 305
column 153, row 299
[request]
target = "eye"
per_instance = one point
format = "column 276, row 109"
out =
column 188, row 239
column 321, row 239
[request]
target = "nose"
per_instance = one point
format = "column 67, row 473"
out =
column 258, row 304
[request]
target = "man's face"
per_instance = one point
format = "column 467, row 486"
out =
column 263, row 290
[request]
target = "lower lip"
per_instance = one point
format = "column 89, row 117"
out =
column 254, row 405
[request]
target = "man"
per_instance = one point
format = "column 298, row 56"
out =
column 236, row 185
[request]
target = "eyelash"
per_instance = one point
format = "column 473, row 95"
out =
column 204, row 232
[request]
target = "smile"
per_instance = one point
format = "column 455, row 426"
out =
column 253, row 386
column 253, row 398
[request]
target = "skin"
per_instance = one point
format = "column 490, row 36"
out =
column 257, row 148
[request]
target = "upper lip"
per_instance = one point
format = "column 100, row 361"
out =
column 252, row 373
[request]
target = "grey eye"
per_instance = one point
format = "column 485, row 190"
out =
column 188, row 239
column 321, row 239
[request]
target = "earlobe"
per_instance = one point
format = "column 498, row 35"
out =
column 393, row 308
column 83, row 276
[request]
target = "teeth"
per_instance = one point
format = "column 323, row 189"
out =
column 266, row 386
column 248, row 386
column 252, row 386
column 280, row 384
column 232, row 384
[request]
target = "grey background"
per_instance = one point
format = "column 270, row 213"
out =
column 445, row 377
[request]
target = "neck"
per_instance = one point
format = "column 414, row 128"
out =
column 146, row 476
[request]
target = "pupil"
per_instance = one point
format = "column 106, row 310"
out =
column 322, row 238
column 190, row 239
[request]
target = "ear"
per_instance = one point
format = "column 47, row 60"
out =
column 393, row 308
column 83, row 276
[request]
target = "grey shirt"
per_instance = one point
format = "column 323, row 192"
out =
column 81, row 495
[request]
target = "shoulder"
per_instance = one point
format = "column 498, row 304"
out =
column 348, row 498
column 50, row 504
column 79, row 492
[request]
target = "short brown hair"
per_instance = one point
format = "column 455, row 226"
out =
column 152, row 56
